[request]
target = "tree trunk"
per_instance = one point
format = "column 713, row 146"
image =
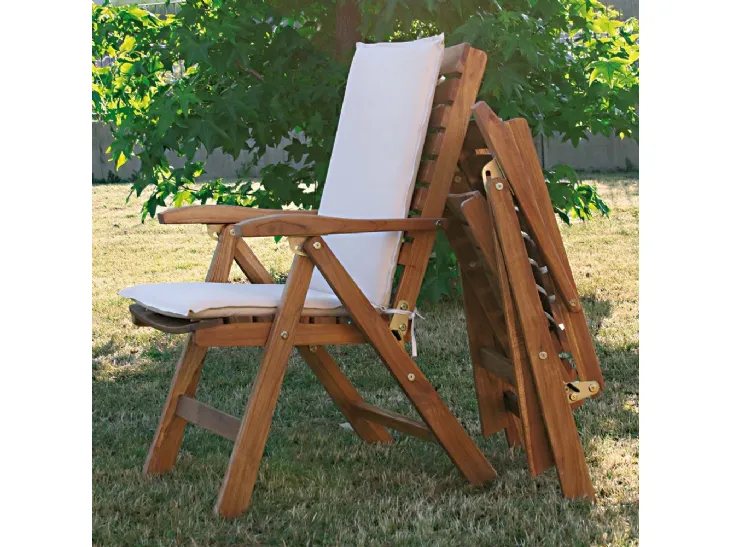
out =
column 346, row 29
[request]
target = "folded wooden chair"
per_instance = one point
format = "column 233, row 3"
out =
column 531, row 350
column 397, row 145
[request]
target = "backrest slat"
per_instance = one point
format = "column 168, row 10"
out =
column 440, row 157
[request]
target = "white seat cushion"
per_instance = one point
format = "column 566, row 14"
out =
column 208, row 300
column 372, row 172
column 375, row 158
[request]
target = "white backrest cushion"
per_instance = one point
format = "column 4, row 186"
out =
column 377, row 150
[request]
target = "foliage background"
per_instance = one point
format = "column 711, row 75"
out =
column 243, row 74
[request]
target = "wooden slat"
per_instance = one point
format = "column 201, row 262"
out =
column 419, row 198
column 439, row 116
column 208, row 417
column 404, row 256
column 445, row 427
column 392, row 420
column 499, row 365
column 454, row 59
column 575, row 479
column 453, row 139
column 492, row 414
column 255, row 334
column 426, row 171
column 446, row 91
column 172, row 325
column 432, row 146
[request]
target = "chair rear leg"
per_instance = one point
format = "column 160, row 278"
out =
column 168, row 438
column 343, row 393
column 235, row 493
column 445, row 427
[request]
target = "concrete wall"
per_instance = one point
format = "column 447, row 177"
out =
column 217, row 164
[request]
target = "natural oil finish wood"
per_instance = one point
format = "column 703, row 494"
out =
column 444, row 426
column 235, row 494
column 219, row 214
column 392, row 420
column 207, row 417
column 168, row 437
column 307, row 225
column 545, row 365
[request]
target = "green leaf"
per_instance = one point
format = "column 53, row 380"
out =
column 128, row 44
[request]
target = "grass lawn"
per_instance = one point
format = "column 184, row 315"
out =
column 318, row 484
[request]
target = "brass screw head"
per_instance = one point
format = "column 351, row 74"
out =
column 402, row 327
column 593, row 388
column 499, row 186
column 573, row 303
column 403, row 306
column 573, row 396
column 317, row 245
column 313, row 348
column 411, row 376
column 542, row 355
column 284, row 334
column 233, row 232
column 457, row 179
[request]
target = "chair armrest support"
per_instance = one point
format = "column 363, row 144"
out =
column 220, row 214
column 294, row 225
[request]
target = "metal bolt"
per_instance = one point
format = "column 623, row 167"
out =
column 457, row 179
column 438, row 223
column 403, row 306
column 284, row 334
column 593, row 388
column 313, row 349
column 573, row 396
column 411, row 377
column 572, row 303
column 499, row 186
column 542, row 355
column 317, row 245
column 402, row 327
column 472, row 264
column 233, row 232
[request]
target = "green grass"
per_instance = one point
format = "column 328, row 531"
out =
column 318, row 484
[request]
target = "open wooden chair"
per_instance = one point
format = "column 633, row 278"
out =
column 531, row 350
column 398, row 141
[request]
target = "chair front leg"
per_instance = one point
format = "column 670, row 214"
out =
column 235, row 493
column 168, row 438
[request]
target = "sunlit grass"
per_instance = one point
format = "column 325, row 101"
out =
column 318, row 484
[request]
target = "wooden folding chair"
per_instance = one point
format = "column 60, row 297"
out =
column 531, row 350
column 290, row 324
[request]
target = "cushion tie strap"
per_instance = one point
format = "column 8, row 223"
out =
column 412, row 318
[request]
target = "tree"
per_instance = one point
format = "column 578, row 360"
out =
column 243, row 74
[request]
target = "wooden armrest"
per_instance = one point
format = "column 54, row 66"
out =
column 315, row 225
column 220, row 214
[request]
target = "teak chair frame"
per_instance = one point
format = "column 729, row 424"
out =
column 523, row 312
column 463, row 68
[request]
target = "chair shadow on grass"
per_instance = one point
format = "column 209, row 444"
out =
column 308, row 453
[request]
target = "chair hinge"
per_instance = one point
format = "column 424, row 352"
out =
column 399, row 321
column 578, row 390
